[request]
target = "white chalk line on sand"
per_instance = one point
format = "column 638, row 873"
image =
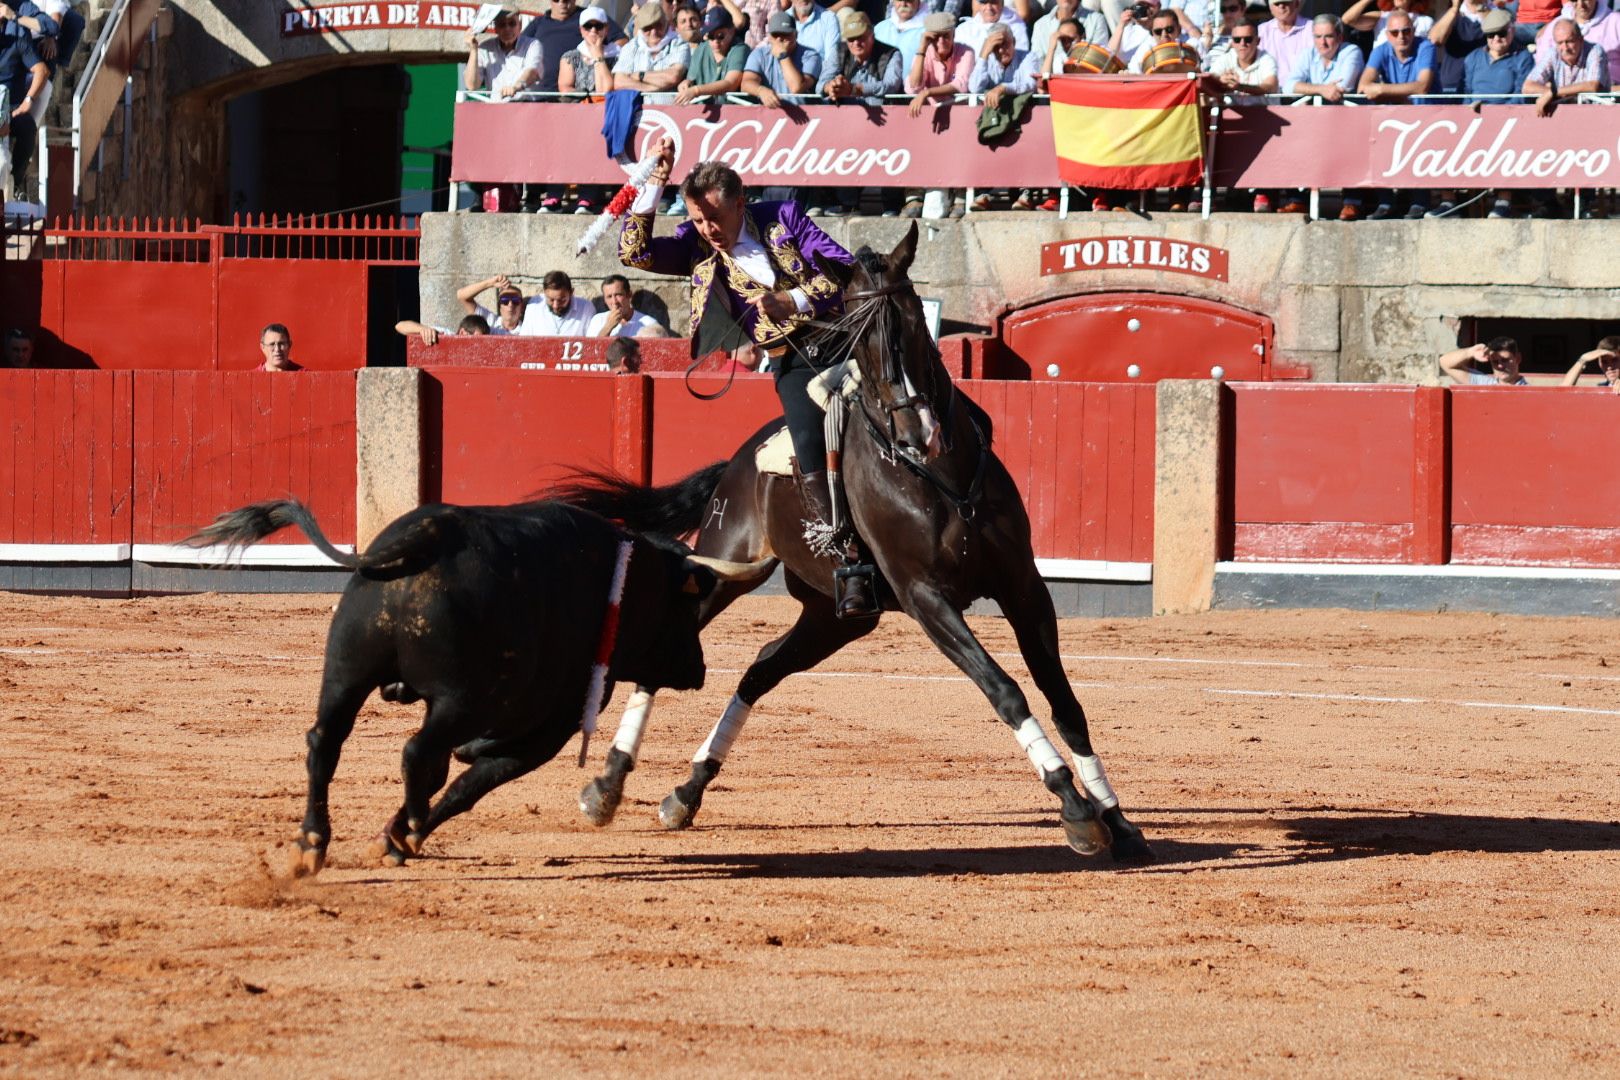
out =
column 886, row 676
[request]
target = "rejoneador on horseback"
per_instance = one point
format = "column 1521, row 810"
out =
column 761, row 274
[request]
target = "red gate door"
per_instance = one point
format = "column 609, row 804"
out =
column 1098, row 337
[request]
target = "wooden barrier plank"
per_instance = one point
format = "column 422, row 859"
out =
column 138, row 315
column 1144, row 477
column 64, row 458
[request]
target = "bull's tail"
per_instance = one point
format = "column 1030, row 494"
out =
column 672, row 510
column 236, row 529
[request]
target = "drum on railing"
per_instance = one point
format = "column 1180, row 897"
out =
column 1089, row 59
column 1171, row 58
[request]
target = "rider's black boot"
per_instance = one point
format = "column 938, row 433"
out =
column 854, row 582
column 855, row 591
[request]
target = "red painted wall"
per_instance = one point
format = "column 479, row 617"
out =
column 1083, row 455
column 1534, row 481
column 188, row 316
column 208, row 441
column 65, row 457
column 106, row 457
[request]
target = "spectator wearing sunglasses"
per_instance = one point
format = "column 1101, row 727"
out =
column 1286, row 38
column 1093, row 27
column 1501, row 67
column 1164, row 28
column 1458, row 31
column 1216, row 39
column 655, row 59
column 1361, row 16
column 717, row 63
column 1607, row 359
column 509, row 302
column 1399, row 72
column 1244, row 68
column 504, row 65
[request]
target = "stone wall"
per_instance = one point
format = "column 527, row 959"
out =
column 1369, row 302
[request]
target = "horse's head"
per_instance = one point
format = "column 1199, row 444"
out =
column 902, row 378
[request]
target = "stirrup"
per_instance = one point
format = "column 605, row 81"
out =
column 855, row 591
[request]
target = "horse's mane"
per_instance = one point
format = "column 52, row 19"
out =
column 871, row 261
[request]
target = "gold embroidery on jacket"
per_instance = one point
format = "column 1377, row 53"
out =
column 635, row 248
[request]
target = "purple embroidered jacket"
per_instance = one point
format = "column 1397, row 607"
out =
column 790, row 239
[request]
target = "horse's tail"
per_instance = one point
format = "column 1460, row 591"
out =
column 236, row 529
column 672, row 510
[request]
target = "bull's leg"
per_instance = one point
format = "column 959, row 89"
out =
column 599, row 801
column 1029, row 609
column 513, row 758
column 334, row 719
column 424, row 767
column 947, row 629
column 816, row 635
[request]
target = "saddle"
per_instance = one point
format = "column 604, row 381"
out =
column 775, row 454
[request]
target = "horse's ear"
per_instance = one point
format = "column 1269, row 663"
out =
column 901, row 257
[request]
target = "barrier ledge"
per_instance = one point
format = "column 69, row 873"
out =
column 1508, row 590
column 64, row 553
column 253, row 555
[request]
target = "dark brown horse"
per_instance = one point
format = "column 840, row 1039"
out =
column 945, row 525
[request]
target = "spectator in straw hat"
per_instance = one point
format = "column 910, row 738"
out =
column 655, row 59
column 939, row 72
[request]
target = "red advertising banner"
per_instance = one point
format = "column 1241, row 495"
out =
column 825, row 145
column 1403, row 146
column 1418, row 146
column 306, row 18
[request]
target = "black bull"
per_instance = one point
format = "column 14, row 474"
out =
column 494, row 616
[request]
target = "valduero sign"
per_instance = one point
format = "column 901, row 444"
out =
column 1134, row 253
column 301, row 18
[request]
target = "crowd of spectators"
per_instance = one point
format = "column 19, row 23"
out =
column 556, row 312
column 37, row 41
column 793, row 52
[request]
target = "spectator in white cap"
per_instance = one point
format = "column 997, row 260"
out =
column 503, row 65
column 586, row 69
column 717, row 63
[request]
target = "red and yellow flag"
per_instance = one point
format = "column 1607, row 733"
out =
column 1133, row 132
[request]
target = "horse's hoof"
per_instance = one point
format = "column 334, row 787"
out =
column 414, row 842
column 598, row 802
column 1132, row 851
column 387, row 849
column 311, row 855
column 673, row 813
column 1086, row 837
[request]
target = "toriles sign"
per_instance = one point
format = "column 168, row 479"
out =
column 1134, row 253
column 300, row 18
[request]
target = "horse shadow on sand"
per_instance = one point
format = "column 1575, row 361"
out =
column 1254, row 838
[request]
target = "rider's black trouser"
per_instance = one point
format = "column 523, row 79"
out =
column 804, row 418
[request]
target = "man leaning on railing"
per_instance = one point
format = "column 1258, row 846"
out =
column 501, row 63
column 1329, row 71
column 1572, row 67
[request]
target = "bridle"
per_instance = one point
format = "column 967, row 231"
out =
column 864, row 312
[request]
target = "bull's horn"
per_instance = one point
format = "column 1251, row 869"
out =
column 726, row 570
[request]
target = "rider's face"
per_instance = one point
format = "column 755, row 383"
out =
column 716, row 219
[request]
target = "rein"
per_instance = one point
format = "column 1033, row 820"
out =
column 964, row 502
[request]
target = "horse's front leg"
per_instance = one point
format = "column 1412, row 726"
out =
column 599, row 800
column 947, row 629
column 1028, row 607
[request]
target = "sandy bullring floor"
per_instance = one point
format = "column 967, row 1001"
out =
column 1388, row 845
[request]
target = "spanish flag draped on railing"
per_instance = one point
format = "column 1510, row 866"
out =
column 1132, row 132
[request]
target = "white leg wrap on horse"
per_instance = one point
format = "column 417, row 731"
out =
column 718, row 744
column 632, row 723
column 1042, row 754
column 1095, row 781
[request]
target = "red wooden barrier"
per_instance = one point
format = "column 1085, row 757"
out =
column 502, row 436
column 1534, row 481
column 1325, row 473
column 1082, row 455
column 65, row 458
column 211, row 441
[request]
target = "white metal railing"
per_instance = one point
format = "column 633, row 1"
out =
column 94, row 98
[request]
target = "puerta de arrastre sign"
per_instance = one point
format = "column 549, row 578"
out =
column 1134, row 253
column 377, row 15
